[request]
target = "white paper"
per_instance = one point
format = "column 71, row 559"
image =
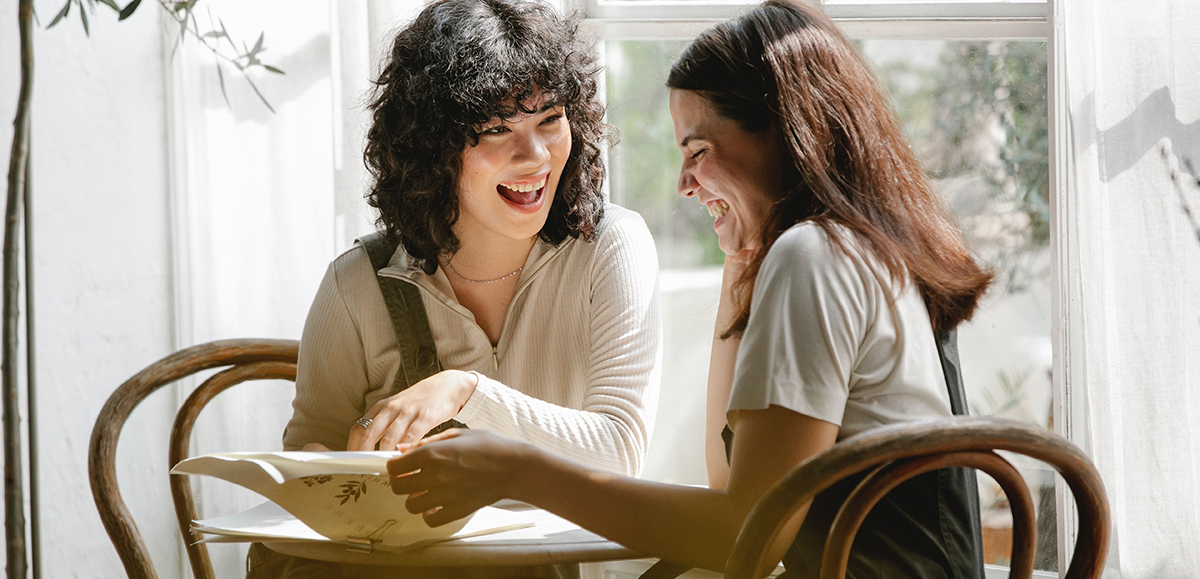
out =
column 338, row 495
column 269, row 522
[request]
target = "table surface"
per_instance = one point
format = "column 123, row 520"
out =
column 552, row 540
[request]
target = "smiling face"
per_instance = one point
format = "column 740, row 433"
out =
column 509, row 177
column 735, row 174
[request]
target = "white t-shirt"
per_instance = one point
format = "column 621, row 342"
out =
column 824, row 341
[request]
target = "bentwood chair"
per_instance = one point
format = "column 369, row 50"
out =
column 249, row 359
column 893, row 454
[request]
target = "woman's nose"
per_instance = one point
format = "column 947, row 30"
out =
column 687, row 183
column 532, row 149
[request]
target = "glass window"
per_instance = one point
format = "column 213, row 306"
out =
column 976, row 114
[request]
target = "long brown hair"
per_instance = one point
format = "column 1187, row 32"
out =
column 786, row 65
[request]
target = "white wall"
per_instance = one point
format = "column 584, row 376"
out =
column 101, row 268
column 165, row 217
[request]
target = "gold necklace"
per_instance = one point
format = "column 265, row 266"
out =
column 501, row 278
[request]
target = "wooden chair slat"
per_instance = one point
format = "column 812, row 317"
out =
column 881, row 481
column 102, row 450
column 918, row 439
column 180, row 445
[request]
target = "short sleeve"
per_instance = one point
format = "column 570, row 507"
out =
column 808, row 317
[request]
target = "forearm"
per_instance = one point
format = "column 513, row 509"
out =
column 689, row 525
column 610, row 433
column 720, row 378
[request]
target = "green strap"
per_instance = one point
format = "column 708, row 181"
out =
column 418, row 353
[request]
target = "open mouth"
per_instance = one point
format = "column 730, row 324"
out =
column 717, row 208
column 525, row 195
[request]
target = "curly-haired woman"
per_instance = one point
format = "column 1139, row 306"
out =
column 486, row 154
column 541, row 299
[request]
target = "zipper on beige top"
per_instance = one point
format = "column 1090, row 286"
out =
column 532, row 272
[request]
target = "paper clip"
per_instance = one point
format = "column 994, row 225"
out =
column 367, row 544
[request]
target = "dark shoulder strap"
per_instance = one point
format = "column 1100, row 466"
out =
column 379, row 249
column 418, row 352
column 958, row 493
column 947, row 346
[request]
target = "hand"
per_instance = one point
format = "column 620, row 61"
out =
column 457, row 472
column 407, row 416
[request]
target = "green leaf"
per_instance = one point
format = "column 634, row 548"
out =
column 182, row 34
column 213, row 34
column 225, row 33
column 127, row 11
column 61, row 14
column 195, row 25
column 272, row 69
column 111, row 4
column 221, row 79
column 258, row 45
column 83, row 17
column 260, row 95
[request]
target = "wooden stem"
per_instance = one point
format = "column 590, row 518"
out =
column 14, row 499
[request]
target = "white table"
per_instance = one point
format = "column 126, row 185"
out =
column 551, row 541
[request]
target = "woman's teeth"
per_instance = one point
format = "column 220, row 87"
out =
column 525, row 187
column 717, row 208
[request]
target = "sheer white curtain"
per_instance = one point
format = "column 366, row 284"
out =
column 1133, row 84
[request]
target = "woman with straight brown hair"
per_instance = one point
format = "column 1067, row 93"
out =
column 845, row 278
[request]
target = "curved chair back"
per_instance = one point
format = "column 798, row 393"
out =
column 248, row 359
column 894, row 454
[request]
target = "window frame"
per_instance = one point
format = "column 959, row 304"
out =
column 931, row 19
column 988, row 20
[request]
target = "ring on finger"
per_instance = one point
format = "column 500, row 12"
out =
column 363, row 422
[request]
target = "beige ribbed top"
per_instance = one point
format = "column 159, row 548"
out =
column 576, row 369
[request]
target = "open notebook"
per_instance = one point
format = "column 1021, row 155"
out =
column 340, row 497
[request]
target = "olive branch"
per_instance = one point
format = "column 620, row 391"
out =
column 217, row 39
column 353, row 489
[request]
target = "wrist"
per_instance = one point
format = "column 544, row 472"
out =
column 468, row 381
column 529, row 467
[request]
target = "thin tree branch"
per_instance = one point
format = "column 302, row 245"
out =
column 14, row 499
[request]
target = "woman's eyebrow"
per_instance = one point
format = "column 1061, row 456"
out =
column 548, row 104
column 690, row 138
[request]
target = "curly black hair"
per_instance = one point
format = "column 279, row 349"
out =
column 460, row 64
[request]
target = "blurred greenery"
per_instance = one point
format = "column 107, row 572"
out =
column 645, row 163
column 977, row 118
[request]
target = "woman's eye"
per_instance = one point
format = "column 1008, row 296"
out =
column 496, row 130
column 552, row 119
column 697, row 154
